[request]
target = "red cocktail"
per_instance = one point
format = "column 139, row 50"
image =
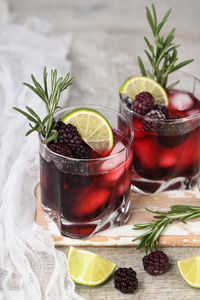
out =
column 87, row 195
column 166, row 151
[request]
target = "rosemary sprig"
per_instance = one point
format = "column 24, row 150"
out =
column 163, row 55
column 46, row 127
column 150, row 238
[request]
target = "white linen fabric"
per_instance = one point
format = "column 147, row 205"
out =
column 30, row 266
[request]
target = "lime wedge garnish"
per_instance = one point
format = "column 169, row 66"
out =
column 189, row 269
column 93, row 128
column 135, row 85
column 87, row 268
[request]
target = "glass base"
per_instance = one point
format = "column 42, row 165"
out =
column 151, row 187
column 84, row 230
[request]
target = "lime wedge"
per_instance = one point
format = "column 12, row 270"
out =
column 189, row 269
column 87, row 268
column 93, row 128
column 135, row 85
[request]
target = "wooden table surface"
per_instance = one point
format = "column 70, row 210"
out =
column 107, row 37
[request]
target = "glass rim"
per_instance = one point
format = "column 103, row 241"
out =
column 181, row 120
column 91, row 159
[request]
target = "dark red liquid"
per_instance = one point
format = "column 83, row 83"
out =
column 81, row 198
column 175, row 153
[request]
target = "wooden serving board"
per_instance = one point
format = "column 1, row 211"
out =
column 176, row 234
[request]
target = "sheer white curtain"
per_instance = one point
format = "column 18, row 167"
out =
column 30, row 266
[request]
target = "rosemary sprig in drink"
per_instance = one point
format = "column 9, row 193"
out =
column 150, row 239
column 163, row 55
column 46, row 127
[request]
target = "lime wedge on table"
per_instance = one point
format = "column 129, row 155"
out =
column 88, row 268
column 93, row 128
column 135, row 85
column 189, row 269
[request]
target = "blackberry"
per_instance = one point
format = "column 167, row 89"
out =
column 163, row 109
column 68, row 135
column 155, row 263
column 125, row 280
column 60, row 149
column 128, row 102
column 149, row 125
column 81, row 152
column 143, row 103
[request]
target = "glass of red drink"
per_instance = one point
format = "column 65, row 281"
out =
column 85, row 196
column 166, row 153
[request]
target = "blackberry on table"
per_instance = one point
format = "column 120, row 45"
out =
column 125, row 280
column 143, row 103
column 69, row 135
column 155, row 263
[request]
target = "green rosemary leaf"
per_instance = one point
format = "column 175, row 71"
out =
column 149, row 45
column 142, row 68
column 66, row 84
column 45, row 81
column 150, row 20
column 170, row 38
column 52, row 136
column 159, row 45
column 35, row 90
column 50, row 115
column 154, row 15
column 171, row 86
column 149, row 57
column 141, row 226
column 198, row 185
column 181, row 208
column 160, row 25
column 34, row 113
column 180, row 65
column 29, row 117
column 31, row 130
column 38, row 86
column 34, row 128
column 53, row 79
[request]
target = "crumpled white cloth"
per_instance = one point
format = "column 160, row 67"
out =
column 30, row 266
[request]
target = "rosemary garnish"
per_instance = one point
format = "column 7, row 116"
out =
column 162, row 56
column 46, row 127
column 156, row 227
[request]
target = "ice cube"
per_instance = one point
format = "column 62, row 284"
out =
column 181, row 101
column 90, row 200
column 114, row 162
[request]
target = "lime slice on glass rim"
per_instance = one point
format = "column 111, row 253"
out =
column 189, row 269
column 94, row 129
column 135, row 85
column 88, row 268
